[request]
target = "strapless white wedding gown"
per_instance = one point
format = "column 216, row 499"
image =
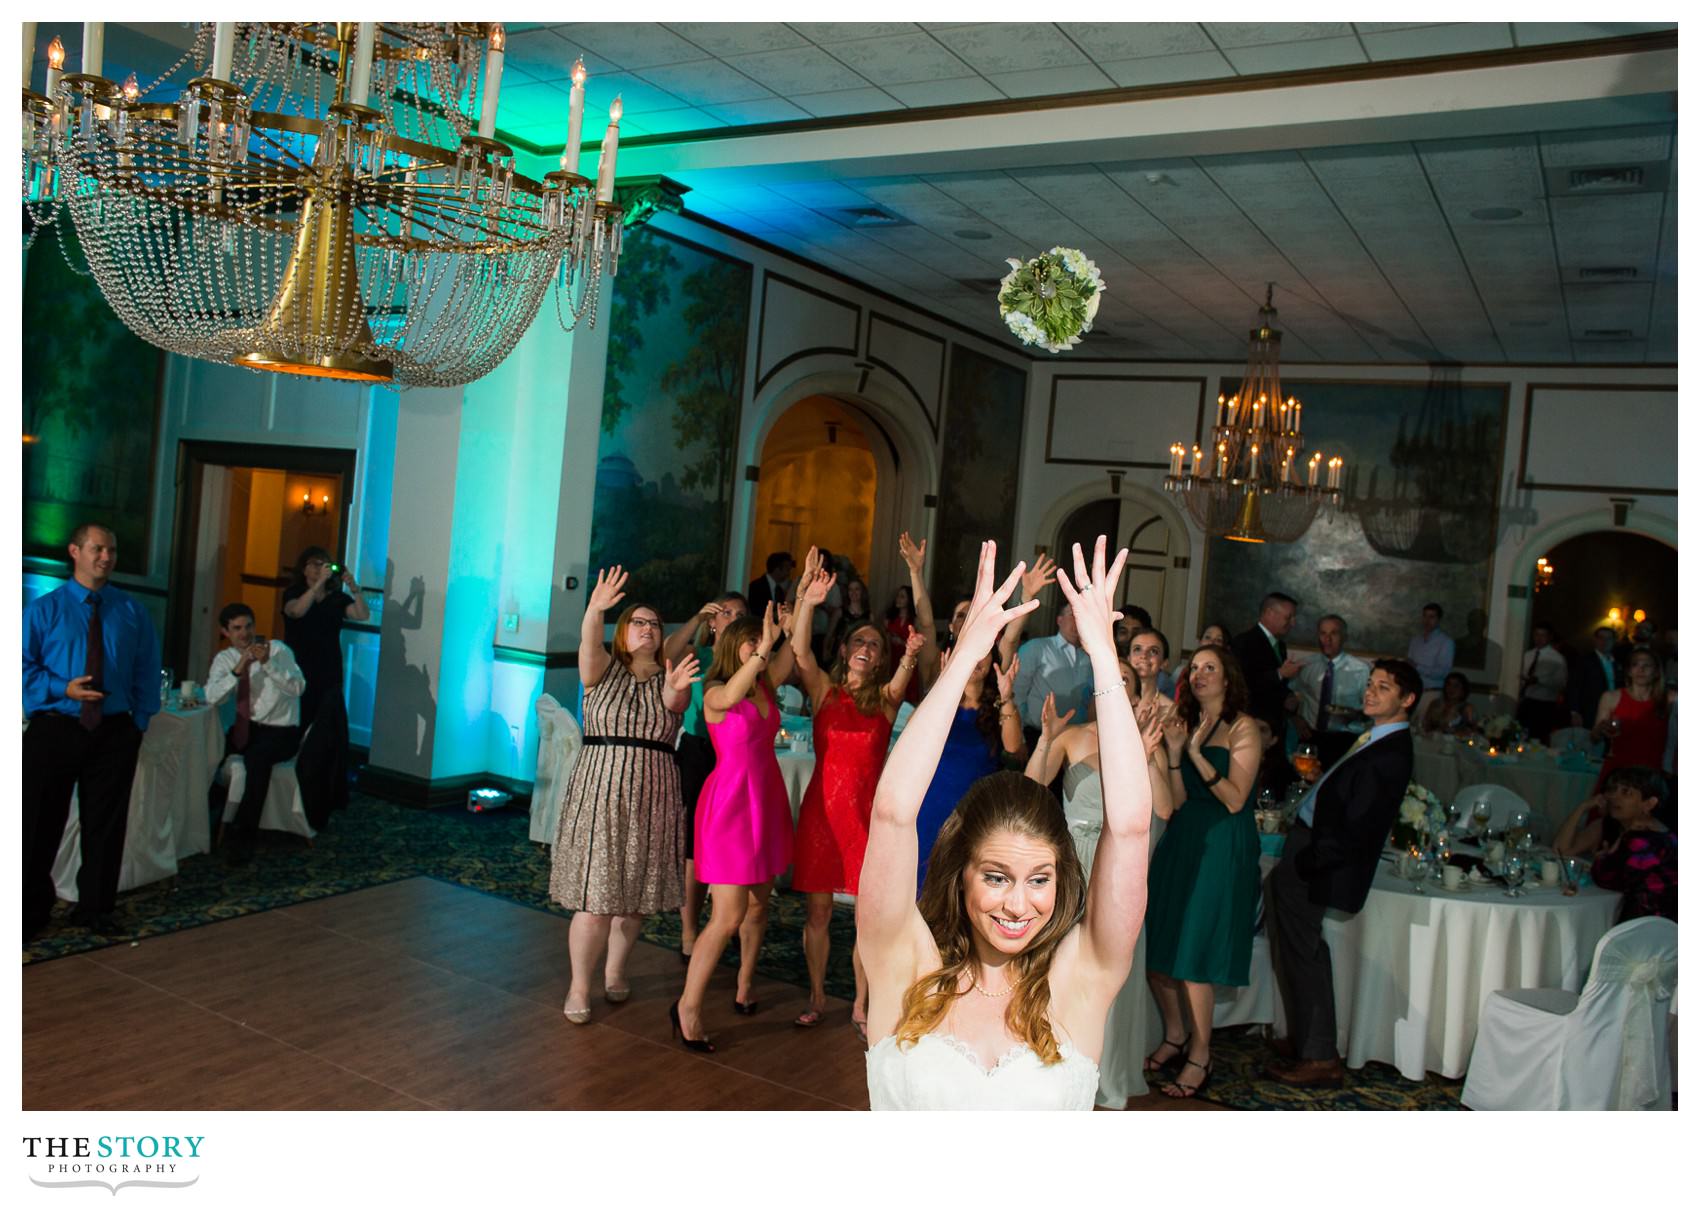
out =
column 940, row 1073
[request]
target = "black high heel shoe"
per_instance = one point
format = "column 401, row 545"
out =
column 1155, row 1067
column 744, row 1007
column 695, row 1045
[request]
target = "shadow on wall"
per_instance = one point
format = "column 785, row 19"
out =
column 1475, row 649
column 407, row 693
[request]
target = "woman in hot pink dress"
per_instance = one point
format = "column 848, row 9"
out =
column 853, row 712
column 743, row 816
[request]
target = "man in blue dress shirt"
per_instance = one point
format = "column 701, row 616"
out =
column 91, row 684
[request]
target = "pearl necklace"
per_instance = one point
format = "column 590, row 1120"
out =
column 983, row 993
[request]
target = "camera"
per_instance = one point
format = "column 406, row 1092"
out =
column 333, row 569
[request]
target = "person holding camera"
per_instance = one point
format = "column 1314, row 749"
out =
column 323, row 595
column 267, row 684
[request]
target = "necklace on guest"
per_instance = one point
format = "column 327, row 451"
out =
column 984, row 993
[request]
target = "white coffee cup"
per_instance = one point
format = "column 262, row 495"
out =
column 187, row 692
column 1496, row 853
column 1549, row 871
column 1453, row 877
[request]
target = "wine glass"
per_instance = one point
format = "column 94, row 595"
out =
column 167, row 679
column 1416, row 870
column 1306, row 763
column 1517, row 830
column 1481, row 812
column 1513, row 874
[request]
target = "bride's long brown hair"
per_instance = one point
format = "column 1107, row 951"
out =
column 1002, row 802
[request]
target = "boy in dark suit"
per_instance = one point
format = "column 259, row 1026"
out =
column 1328, row 863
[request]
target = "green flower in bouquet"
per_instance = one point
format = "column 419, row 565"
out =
column 1051, row 300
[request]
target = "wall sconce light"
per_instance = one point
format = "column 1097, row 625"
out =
column 1115, row 475
column 1543, row 573
column 1640, row 616
column 309, row 508
column 1615, row 615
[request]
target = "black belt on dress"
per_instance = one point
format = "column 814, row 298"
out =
column 635, row 741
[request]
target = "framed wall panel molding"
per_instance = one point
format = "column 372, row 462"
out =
column 1113, row 420
column 810, row 322
column 914, row 357
column 1559, row 417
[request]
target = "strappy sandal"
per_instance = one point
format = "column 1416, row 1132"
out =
column 1189, row 1091
column 808, row 1018
column 1153, row 1065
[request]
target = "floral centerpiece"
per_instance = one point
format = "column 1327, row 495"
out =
column 1421, row 816
column 1497, row 728
column 1051, row 300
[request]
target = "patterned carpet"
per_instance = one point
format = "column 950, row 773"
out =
column 376, row 842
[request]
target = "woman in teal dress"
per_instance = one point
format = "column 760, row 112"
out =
column 1204, row 873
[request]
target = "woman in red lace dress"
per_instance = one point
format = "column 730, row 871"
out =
column 853, row 709
column 1636, row 718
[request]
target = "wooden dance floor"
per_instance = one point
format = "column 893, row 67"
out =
column 414, row 995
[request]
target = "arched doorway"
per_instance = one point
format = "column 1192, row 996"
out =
column 1151, row 579
column 1605, row 571
column 818, row 484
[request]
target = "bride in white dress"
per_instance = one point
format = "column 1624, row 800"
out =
column 992, row 993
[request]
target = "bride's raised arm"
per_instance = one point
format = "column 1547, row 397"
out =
column 1115, row 897
column 885, row 904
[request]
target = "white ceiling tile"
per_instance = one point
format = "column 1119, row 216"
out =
column 765, row 109
column 806, row 69
column 544, row 55
column 848, row 101
column 1623, row 145
column 1497, row 154
column 638, row 96
column 1167, row 69
column 1106, row 40
column 904, row 59
column 1461, row 39
column 1052, row 81
column 631, row 45
column 672, row 121
column 1294, row 56
column 944, row 92
column 1263, row 33
column 702, row 84
column 849, row 31
column 724, row 38
column 1011, row 46
column 1540, row 33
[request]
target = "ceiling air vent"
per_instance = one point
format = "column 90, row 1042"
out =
column 865, row 217
column 1606, row 178
column 1608, row 273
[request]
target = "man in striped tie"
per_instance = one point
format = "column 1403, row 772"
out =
column 267, row 684
column 91, row 684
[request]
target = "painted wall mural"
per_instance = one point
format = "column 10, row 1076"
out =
column 675, row 386
column 980, row 470
column 1419, row 523
column 90, row 409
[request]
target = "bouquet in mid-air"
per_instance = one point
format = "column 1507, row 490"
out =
column 1051, row 300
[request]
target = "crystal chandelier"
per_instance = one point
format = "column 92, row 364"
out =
column 1247, row 485
column 321, row 199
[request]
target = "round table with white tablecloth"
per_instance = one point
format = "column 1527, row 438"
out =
column 169, row 813
column 1552, row 784
column 798, row 769
column 1411, row 972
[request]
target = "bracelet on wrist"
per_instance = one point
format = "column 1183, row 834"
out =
column 1098, row 694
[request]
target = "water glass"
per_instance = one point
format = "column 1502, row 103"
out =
column 167, row 679
column 1513, row 873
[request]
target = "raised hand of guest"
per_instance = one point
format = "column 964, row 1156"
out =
column 816, row 588
column 1174, row 735
column 1051, row 725
column 1043, row 573
column 914, row 554
column 608, row 590
column 1091, row 593
column 913, row 644
column 1149, row 718
column 1006, row 678
column 771, row 632
column 685, row 674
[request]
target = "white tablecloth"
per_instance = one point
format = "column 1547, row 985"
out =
column 1553, row 791
column 1411, row 972
column 798, row 769
column 168, row 802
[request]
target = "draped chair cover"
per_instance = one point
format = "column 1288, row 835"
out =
column 558, row 743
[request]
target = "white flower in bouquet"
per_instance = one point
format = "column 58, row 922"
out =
column 1413, row 812
column 1496, row 727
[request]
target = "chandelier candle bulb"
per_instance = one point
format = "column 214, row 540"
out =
column 610, row 149
column 575, row 120
column 94, row 46
column 224, row 49
column 492, row 80
column 29, row 51
column 55, row 66
column 1221, row 460
column 1176, row 454
column 1197, row 461
column 360, row 74
column 1315, row 463
column 1221, row 403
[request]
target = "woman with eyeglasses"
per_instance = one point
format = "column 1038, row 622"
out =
column 619, row 852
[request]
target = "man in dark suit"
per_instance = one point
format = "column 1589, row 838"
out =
column 775, row 587
column 1591, row 675
column 1262, row 654
column 1328, row 862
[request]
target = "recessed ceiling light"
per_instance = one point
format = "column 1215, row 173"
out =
column 1496, row 214
column 972, row 233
